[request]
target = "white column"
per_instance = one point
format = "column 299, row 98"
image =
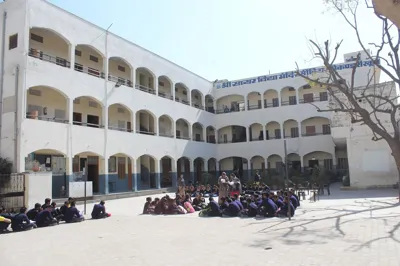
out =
column 189, row 94
column 190, row 131
column 173, row 91
column 204, row 134
column 246, row 106
column 156, row 85
column 70, row 154
column 264, row 132
column 133, row 76
column 262, row 101
column 248, row 137
column 300, row 135
column 297, row 96
column 134, row 174
column 72, row 55
column 279, row 98
column 282, row 135
column 203, row 102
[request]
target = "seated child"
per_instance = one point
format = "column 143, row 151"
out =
column 99, row 211
column 199, row 202
column 147, row 205
column 73, row 215
column 188, row 205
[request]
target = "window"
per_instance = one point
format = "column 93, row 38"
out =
column 308, row 97
column 198, row 137
column 259, row 104
column 326, row 129
column 112, row 164
column 328, row 164
column 36, row 38
column 275, row 102
column 277, row 133
column 121, row 68
column 291, row 89
column 13, row 42
column 121, row 167
column 292, row 100
column 305, row 87
column 343, row 164
column 94, row 58
column 178, row 134
column 294, row 132
column 310, row 130
column 323, row 96
column 78, row 53
column 160, row 83
column 75, row 164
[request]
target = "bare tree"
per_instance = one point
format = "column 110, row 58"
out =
column 374, row 106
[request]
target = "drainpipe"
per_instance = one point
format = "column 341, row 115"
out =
column 3, row 41
column 16, row 120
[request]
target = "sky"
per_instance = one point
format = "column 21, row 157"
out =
column 227, row 39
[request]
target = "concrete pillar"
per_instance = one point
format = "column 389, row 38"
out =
column 189, row 94
column 264, row 132
column 282, row 135
column 297, row 96
column 133, row 76
column 246, row 106
column 156, row 85
column 158, row 166
column 191, row 164
column 279, row 98
column 106, row 175
column 72, row 55
column 248, row 137
column 299, row 126
column 134, row 175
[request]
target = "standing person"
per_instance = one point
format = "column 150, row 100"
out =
column 181, row 187
column 223, row 182
column 257, row 177
column 236, row 186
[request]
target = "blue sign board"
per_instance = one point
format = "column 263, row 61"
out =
column 290, row 74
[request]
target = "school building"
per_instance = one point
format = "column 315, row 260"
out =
column 78, row 98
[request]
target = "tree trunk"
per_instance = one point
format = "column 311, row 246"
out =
column 396, row 155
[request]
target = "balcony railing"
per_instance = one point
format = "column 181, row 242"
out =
column 291, row 136
column 120, row 128
column 145, row 89
column 89, row 70
column 315, row 134
column 198, row 106
column 185, row 102
column 166, row 135
column 257, row 139
column 210, row 110
column 284, row 103
column 120, row 80
column 46, row 118
column 183, row 137
column 274, row 137
column 198, row 140
column 212, row 141
column 165, row 95
column 230, row 141
column 254, row 107
column 269, row 105
column 229, row 110
column 49, row 58
column 314, row 99
column 146, row 132
column 85, row 124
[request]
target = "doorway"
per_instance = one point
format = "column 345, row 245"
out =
column 77, row 118
column 93, row 172
column 93, row 121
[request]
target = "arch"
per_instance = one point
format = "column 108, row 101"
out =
column 321, row 158
column 90, row 98
column 198, row 168
column 288, row 96
column 198, row 132
column 256, row 132
column 47, row 151
column 230, row 103
column 225, row 134
column 316, row 125
column 65, row 39
column 90, row 112
column 120, row 173
column 197, row 99
column 89, row 153
column 271, row 98
column 254, row 100
column 165, row 87
column 290, row 128
column 167, row 171
column 210, row 132
column 212, row 165
column 146, row 122
column 209, row 103
column 257, row 164
column 47, row 103
column 273, row 130
column 89, row 47
column 147, row 170
column 235, row 164
column 166, row 126
column 117, row 115
column 182, row 93
column 120, row 71
column 183, row 129
column 51, row 88
column 145, row 80
column 183, row 168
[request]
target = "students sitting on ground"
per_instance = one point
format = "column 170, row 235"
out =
column 212, row 210
column 56, row 212
column 238, row 202
column 285, row 207
column 99, row 211
column 224, row 203
column 295, row 197
column 64, row 209
column 44, row 218
column 47, row 204
column 4, row 223
column 277, row 201
column 73, row 215
column 267, row 207
column 292, row 198
column 146, row 209
column 199, row 202
column 188, row 205
column 21, row 222
column 32, row 213
column 252, row 208
column 233, row 209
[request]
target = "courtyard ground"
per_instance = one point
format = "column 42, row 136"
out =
column 346, row 228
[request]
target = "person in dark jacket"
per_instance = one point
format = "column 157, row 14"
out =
column 72, row 215
column 213, row 209
column 267, row 207
column 233, row 209
column 21, row 222
column 293, row 199
column 294, row 195
column 285, row 207
column 99, row 211
column 64, row 208
column 47, row 204
column 44, row 218
column 32, row 213
column 252, row 208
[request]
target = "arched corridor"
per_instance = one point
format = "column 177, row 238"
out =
column 254, row 101
column 167, row 171
column 181, row 93
column 120, row 71
column 166, row 126
column 314, row 126
column 230, row 103
column 197, row 99
column 197, row 132
column 198, row 165
column 88, row 111
column 211, row 134
column 165, row 87
column 271, row 98
column 145, row 80
column 288, row 96
column 88, row 60
column 256, row 132
column 183, row 129
column 273, row 130
column 120, row 173
column 290, row 129
column 119, row 118
column 232, row 134
column 145, row 123
column 183, row 169
column 147, row 170
column 209, row 101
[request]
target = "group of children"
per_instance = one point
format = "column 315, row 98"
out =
column 255, row 200
column 47, row 215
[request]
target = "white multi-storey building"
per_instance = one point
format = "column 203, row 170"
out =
column 76, row 95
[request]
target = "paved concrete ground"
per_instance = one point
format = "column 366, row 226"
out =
column 360, row 229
